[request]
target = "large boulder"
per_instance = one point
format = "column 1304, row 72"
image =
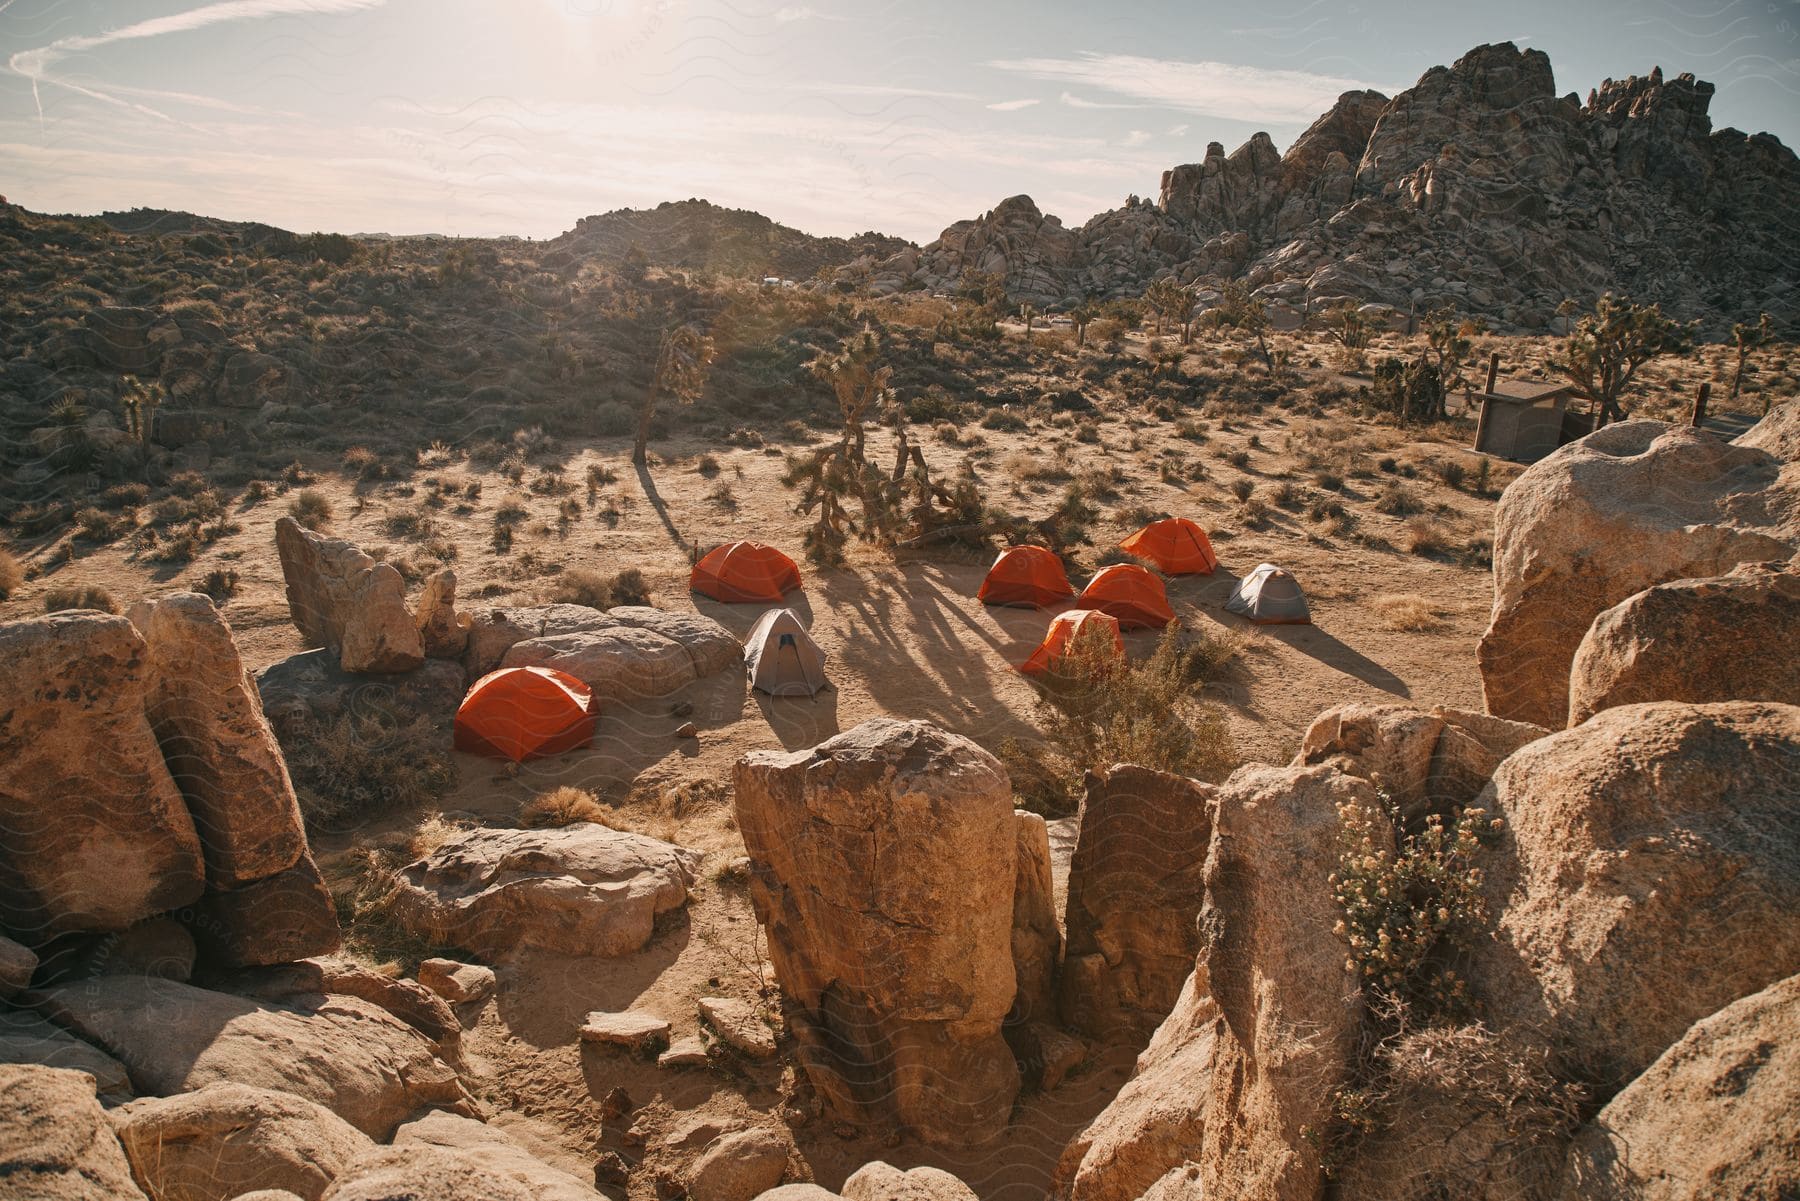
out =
column 1627, row 507
column 207, row 715
column 1728, row 638
column 740, row 1165
column 348, row 1055
column 492, row 1150
column 883, row 865
column 225, row 1139
column 26, row 1037
column 634, row 652
column 1036, row 936
column 1426, row 761
column 419, row 1171
column 581, row 889
column 443, row 632
column 17, row 963
column 97, row 835
column 1135, row 886
column 494, row 631
column 342, row 599
column 882, row 1181
column 55, row 1141
column 1648, row 874
column 1265, row 1029
column 1714, row 1116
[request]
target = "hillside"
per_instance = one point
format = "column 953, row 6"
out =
column 1478, row 188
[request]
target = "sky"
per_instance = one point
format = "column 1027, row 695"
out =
column 488, row 117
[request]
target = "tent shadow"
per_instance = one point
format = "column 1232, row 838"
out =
column 1313, row 641
column 800, row 721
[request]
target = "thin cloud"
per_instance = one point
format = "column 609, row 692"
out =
column 1137, row 137
column 801, row 12
column 1212, row 89
column 1011, row 106
column 1074, row 101
column 1178, row 131
column 34, row 64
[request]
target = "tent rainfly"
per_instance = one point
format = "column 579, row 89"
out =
column 744, row 572
column 1269, row 596
column 1176, row 545
column 1025, row 575
column 783, row 658
column 1069, row 629
column 1130, row 593
column 523, row 712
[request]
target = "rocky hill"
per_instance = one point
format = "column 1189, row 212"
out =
column 699, row 236
column 1478, row 188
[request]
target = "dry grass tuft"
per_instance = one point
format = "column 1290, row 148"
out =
column 563, row 806
column 80, row 596
column 12, row 573
column 1406, row 611
column 311, row 508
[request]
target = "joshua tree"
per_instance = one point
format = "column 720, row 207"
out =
column 858, row 382
column 1346, row 325
column 1238, row 309
column 683, row 355
column 1170, row 302
column 1079, row 316
column 1028, row 314
column 1748, row 338
column 1451, row 339
column 1608, row 346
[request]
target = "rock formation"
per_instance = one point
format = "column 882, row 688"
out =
column 1625, row 508
column 443, row 632
column 1719, row 639
column 581, row 889
column 55, row 1141
column 1135, row 887
column 1265, row 1028
column 345, row 601
column 883, row 865
column 1712, row 1117
column 1478, row 188
column 633, row 652
column 1648, row 875
column 1036, row 937
column 492, row 1150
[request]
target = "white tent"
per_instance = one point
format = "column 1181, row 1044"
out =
column 1270, row 596
column 783, row 658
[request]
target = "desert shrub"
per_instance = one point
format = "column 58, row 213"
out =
column 561, row 806
column 79, row 596
column 1405, row 611
column 1243, row 488
column 409, row 523
column 1239, row 459
column 311, row 508
column 1396, row 500
column 12, row 574
column 1453, row 472
column 364, row 463
column 707, row 465
column 1412, row 904
column 1287, row 495
column 1003, row 420
column 1424, row 538
column 364, row 764
column 584, row 586
column 613, row 419
column 221, row 583
column 1097, row 710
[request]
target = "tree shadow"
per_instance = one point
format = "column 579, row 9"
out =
column 647, row 484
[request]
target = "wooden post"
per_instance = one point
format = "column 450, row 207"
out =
column 1698, row 417
column 1493, row 371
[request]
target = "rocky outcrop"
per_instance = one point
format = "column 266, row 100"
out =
column 581, row 889
column 880, row 1181
column 350, row 1056
column 97, row 834
column 1479, row 188
column 279, row 918
column 493, row 632
column 207, row 716
column 740, row 1165
column 1648, row 874
column 634, row 652
column 27, row 1038
column 1630, row 506
column 1266, row 1027
column 16, row 965
column 1135, row 885
column 420, row 1170
column 883, row 865
column 225, row 1139
column 55, row 1141
column 1426, row 761
column 1718, row 639
column 493, row 1151
column 443, row 632
column 1036, row 936
column 1712, row 1117
column 343, row 600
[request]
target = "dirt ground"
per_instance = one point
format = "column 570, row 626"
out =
column 906, row 638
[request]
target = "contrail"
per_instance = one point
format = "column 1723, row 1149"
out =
column 35, row 64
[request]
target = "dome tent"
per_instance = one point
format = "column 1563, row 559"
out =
column 1176, row 545
column 1025, row 575
column 744, row 572
column 1131, row 594
column 1269, row 596
column 522, row 712
column 1066, row 629
column 782, row 657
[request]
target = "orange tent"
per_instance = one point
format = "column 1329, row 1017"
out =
column 519, row 712
column 1131, row 594
column 1025, row 575
column 741, row 572
column 1176, row 545
column 1067, row 628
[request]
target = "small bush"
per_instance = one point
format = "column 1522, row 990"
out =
column 79, row 596
column 1243, row 488
column 221, row 583
column 584, row 586
column 1239, row 459
column 362, row 765
column 1406, row 611
column 561, row 806
column 12, row 573
column 1396, row 500
column 1003, row 420
column 707, row 465
column 311, row 508
column 1424, row 538
column 1453, row 472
